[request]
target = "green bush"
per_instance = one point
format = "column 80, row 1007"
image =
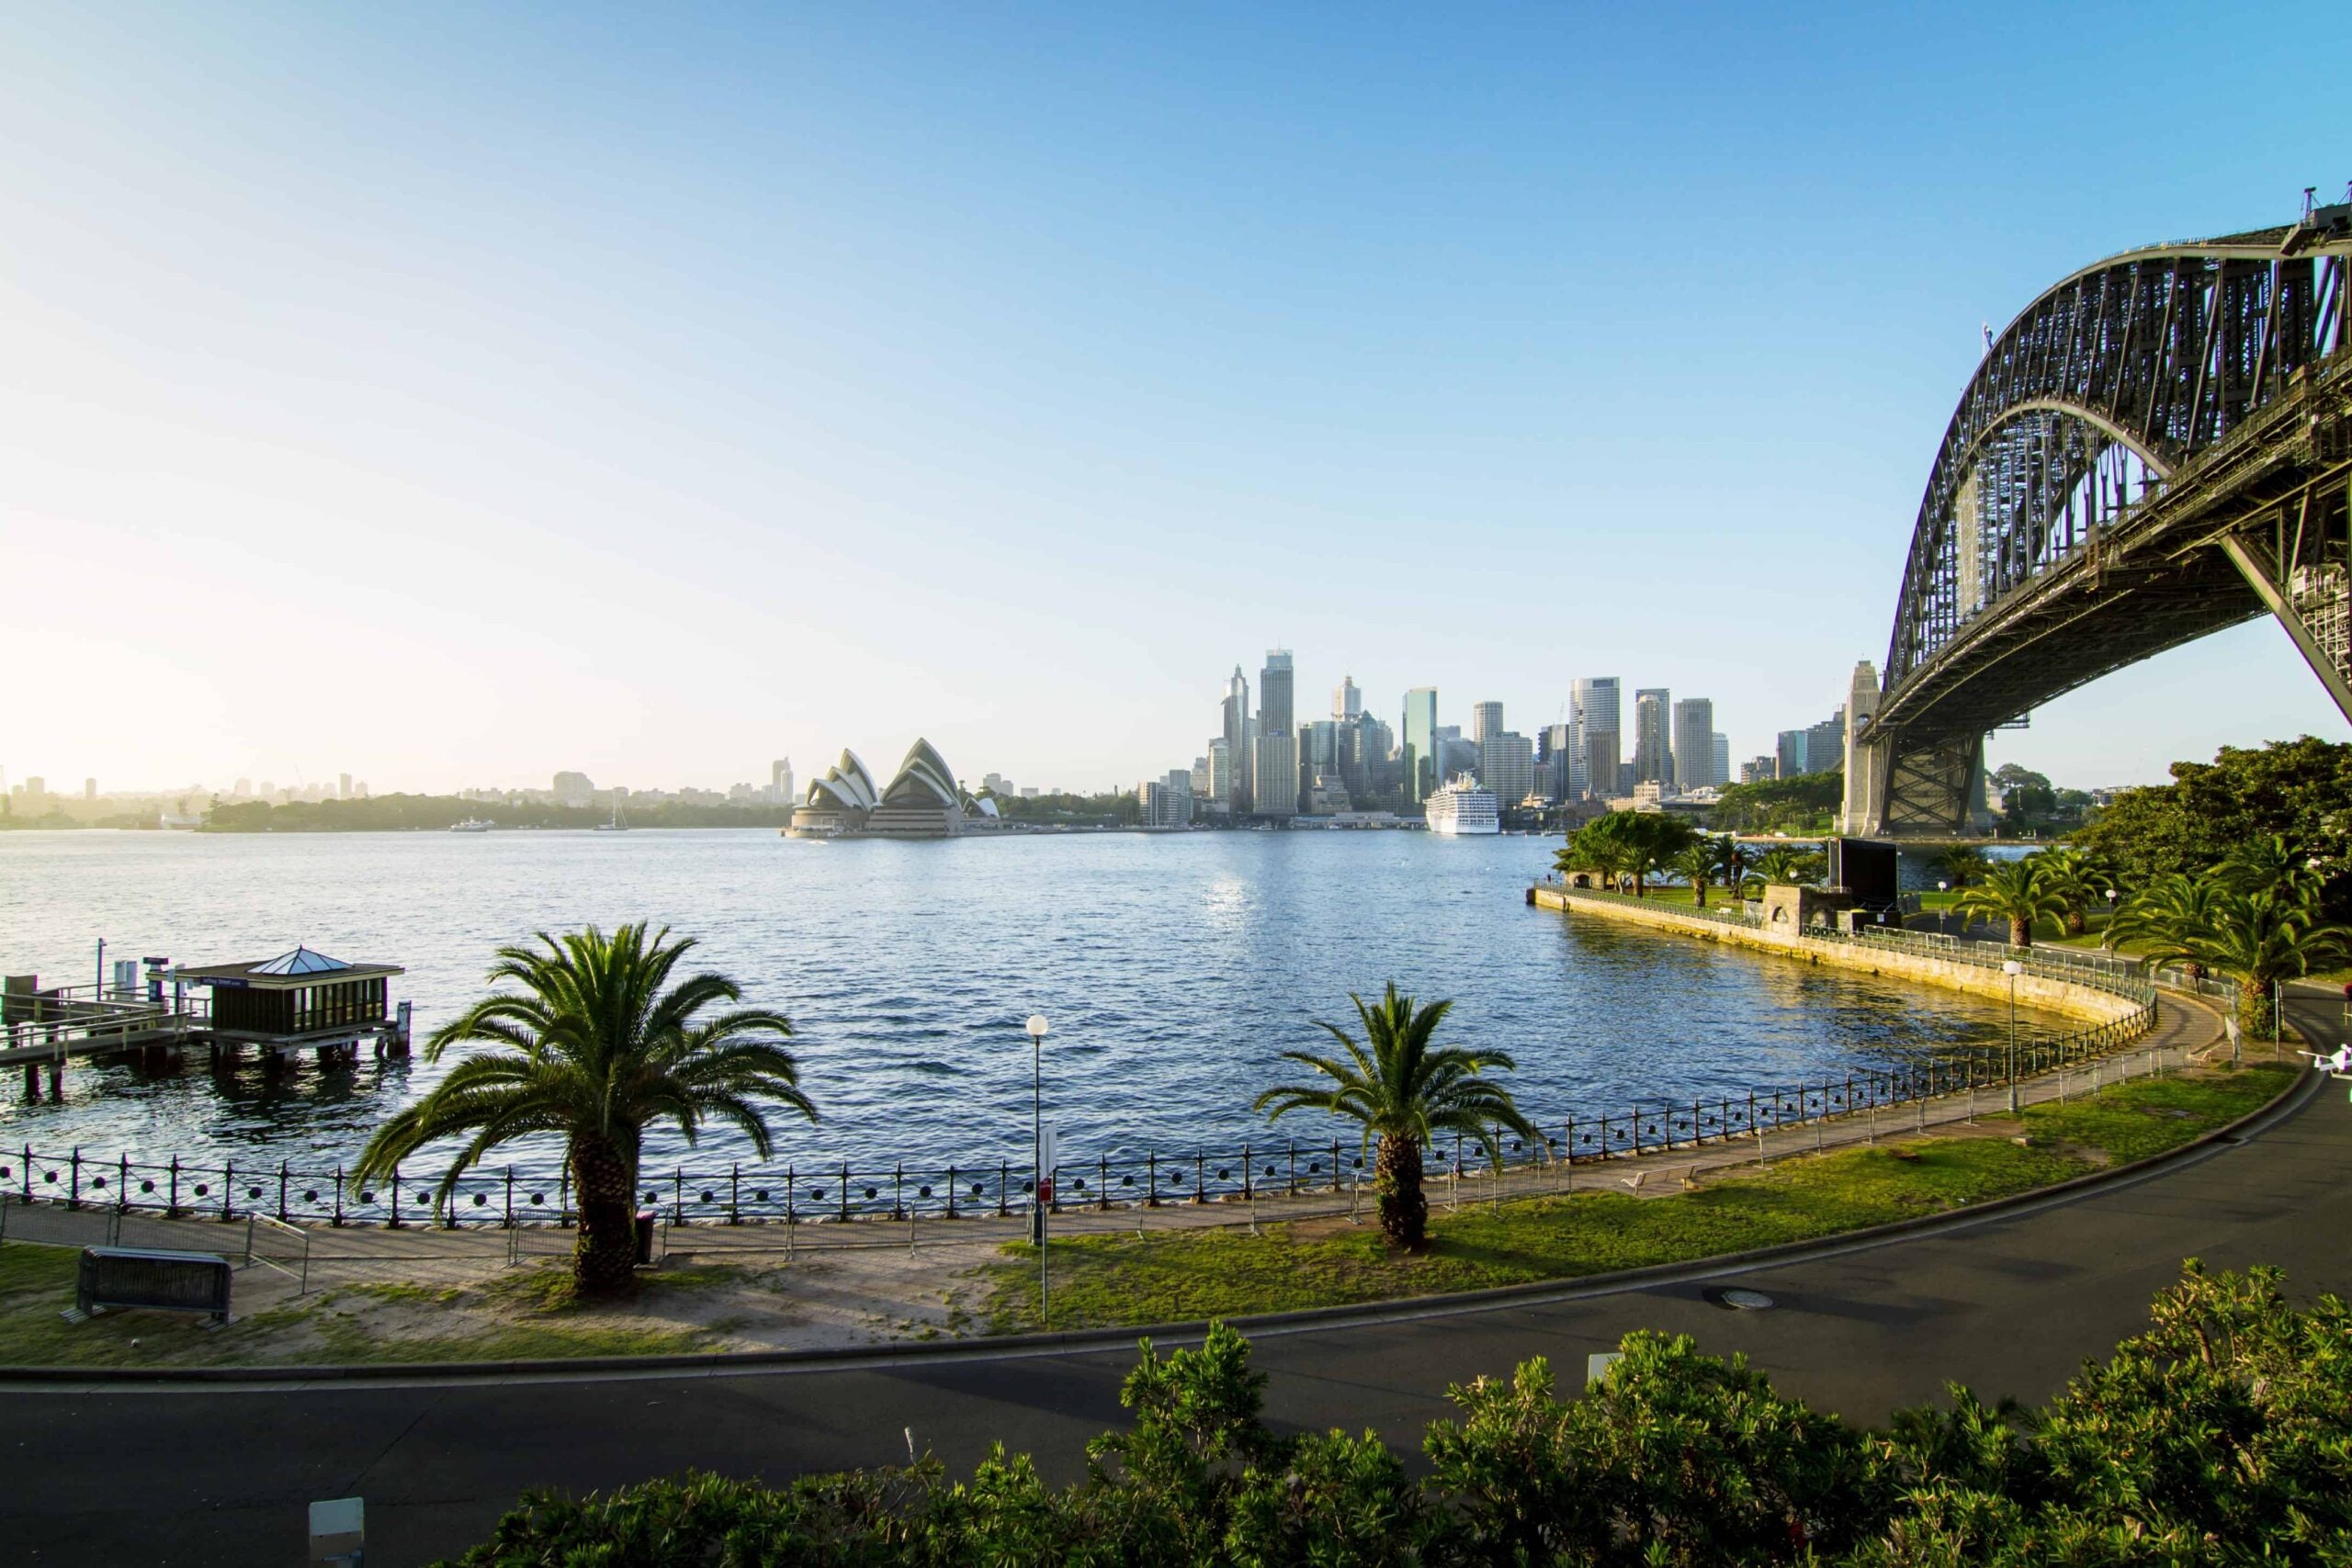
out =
column 2224, row 1434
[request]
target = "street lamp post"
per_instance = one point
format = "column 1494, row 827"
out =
column 1038, row 1189
column 1944, row 913
column 2012, row 968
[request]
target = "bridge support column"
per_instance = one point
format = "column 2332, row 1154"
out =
column 1898, row 787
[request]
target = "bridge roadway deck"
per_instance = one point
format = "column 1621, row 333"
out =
column 2009, row 1304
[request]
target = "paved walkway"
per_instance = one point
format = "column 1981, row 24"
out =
column 2009, row 1304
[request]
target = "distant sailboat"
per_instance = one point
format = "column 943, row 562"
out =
column 616, row 825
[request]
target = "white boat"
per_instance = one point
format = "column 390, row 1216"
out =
column 1463, row 810
column 616, row 825
column 472, row 825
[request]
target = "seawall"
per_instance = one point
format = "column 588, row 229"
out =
column 2051, row 994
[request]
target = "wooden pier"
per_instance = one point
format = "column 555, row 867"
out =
column 298, row 1001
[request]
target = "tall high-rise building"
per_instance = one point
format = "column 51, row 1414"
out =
column 1199, row 778
column 1507, row 765
column 1824, row 743
column 1419, row 730
column 1239, row 735
column 1485, row 719
column 1592, row 703
column 1273, row 776
column 780, row 781
column 1694, row 743
column 343, row 788
column 1347, row 698
column 1759, row 770
column 1788, row 754
column 1222, row 791
column 1722, row 759
column 1653, row 742
column 89, row 789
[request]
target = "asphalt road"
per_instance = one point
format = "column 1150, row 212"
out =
column 2010, row 1304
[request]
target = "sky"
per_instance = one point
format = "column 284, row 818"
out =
column 451, row 395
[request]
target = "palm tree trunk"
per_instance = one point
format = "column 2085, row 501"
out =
column 2256, row 1020
column 1397, row 1181
column 2020, row 933
column 603, row 1260
column 1699, row 891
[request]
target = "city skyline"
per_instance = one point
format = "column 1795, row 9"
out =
column 553, row 413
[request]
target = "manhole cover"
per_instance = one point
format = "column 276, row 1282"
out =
column 1734, row 1299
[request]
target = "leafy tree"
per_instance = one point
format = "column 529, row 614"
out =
column 1795, row 804
column 1404, row 1091
column 2298, row 790
column 595, row 1049
column 2017, row 891
column 1633, row 843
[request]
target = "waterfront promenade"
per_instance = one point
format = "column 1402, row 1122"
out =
column 2009, row 1303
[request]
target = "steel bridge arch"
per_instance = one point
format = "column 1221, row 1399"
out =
column 2094, row 498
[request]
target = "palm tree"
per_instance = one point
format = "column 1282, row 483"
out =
column 591, row 1047
column 1961, row 864
column 2258, row 939
column 1404, row 1092
column 2077, row 877
column 2163, row 915
column 1782, row 864
column 2268, row 865
column 2017, row 891
column 1695, row 863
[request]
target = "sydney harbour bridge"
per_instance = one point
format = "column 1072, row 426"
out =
column 2157, row 447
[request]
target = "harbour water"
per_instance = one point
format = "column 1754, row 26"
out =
column 1175, row 969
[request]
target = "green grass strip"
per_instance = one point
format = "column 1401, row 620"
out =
column 1177, row 1276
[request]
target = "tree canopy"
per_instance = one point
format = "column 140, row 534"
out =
column 2297, row 790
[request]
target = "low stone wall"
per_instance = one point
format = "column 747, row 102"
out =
column 2074, row 999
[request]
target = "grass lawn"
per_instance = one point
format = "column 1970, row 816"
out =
column 1176, row 1276
column 519, row 1315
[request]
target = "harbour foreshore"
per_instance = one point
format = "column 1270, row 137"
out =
column 2080, row 997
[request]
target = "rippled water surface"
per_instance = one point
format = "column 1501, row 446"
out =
column 1175, row 970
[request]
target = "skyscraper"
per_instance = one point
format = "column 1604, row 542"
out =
column 1592, row 703
column 1486, row 721
column 1347, row 700
column 1273, row 777
column 1237, row 749
column 780, row 780
column 1220, row 788
column 1694, row 743
column 1722, row 759
column 1653, row 745
column 1419, row 730
column 1507, row 765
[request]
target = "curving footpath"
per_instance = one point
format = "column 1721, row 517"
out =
column 2010, row 1301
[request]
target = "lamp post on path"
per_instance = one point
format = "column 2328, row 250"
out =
column 1041, row 1188
column 2012, row 968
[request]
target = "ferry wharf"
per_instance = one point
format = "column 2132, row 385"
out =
column 301, row 1001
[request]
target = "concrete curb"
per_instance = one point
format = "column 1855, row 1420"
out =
column 2288, row 1102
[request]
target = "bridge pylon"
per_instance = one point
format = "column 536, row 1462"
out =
column 1901, row 787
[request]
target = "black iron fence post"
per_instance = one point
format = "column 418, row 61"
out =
column 74, row 1178
column 228, row 1191
column 951, row 1191
column 1151, row 1176
column 338, row 1196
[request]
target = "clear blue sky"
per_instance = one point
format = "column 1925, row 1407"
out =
column 656, row 392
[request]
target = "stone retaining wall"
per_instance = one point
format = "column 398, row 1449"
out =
column 2034, row 990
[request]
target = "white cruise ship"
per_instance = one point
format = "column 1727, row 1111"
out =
column 1462, row 810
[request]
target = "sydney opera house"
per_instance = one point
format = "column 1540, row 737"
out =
column 922, row 802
